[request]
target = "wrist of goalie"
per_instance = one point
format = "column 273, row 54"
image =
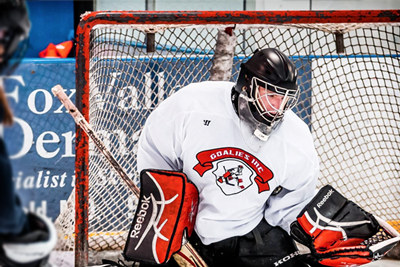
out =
column 298, row 234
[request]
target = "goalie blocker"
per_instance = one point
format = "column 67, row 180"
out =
column 164, row 217
column 339, row 233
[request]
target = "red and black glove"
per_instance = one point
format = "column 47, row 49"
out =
column 340, row 233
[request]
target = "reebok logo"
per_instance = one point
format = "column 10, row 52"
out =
column 140, row 217
column 326, row 197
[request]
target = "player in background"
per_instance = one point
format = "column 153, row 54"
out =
column 210, row 127
column 26, row 239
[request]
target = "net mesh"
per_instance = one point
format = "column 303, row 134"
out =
column 350, row 101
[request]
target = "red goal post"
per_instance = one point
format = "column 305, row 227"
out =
column 127, row 62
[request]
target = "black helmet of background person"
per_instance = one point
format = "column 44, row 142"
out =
column 14, row 32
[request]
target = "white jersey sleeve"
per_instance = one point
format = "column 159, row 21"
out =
column 159, row 143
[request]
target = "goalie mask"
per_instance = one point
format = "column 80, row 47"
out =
column 14, row 32
column 265, row 89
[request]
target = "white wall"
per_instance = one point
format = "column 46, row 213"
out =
column 354, row 4
column 119, row 4
column 250, row 4
column 170, row 4
column 325, row 4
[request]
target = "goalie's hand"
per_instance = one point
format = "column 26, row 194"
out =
column 339, row 233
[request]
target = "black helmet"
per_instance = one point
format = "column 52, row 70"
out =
column 267, row 74
column 14, row 31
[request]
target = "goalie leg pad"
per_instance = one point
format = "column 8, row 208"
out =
column 166, row 212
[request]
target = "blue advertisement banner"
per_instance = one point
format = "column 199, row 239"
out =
column 41, row 143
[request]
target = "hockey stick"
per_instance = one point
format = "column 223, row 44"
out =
column 187, row 256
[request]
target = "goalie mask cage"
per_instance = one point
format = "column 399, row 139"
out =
column 128, row 62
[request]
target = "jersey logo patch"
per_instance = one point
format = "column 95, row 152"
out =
column 234, row 169
column 233, row 176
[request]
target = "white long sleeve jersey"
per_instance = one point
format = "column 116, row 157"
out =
column 197, row 131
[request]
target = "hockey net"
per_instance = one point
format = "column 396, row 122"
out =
column 129, row 62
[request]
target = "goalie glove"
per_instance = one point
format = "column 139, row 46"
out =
column 340, row 233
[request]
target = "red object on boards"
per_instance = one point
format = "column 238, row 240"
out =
column 57, row 51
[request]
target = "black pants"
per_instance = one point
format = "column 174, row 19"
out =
column 265, row 246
